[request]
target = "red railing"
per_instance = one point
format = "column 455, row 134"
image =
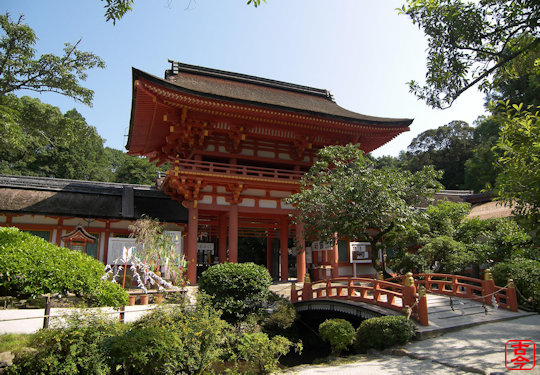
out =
column 465, row 287
column 376, row 292
column 190, row 166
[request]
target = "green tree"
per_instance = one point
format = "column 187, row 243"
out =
column 447, row 148
column 481, row 168
column 342, row 193
column 39, row 140
column 21, row 70
column 470, row 41
column 518, row 183
column 135, row 170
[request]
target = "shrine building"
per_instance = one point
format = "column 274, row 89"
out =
column 237, row 146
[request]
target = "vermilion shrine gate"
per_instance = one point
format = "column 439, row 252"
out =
column 237, row 146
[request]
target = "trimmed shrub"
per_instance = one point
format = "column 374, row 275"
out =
column 31, row 266
column 383, row 332
column 170, row 340
column 76, row 348
column 237, row 289
column 338, row 332
column 526, row 276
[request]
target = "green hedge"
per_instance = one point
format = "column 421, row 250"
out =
column 31, row 266
column 237, row 289
column 383, row 332
column 526, row 276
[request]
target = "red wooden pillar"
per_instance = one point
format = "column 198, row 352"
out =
column 300, row 253
column 269, row 240
column 334, row 258
column 283, row 244
column 233, row 233
column 222, row 238
column 191, row 250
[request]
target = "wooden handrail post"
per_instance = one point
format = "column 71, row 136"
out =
column 307, row 290
column 376, row 293
column 328, row 288
column 294, row 293
column 511, row 297
column 47, row 312
column 121, row 318
column 488, row 287
column 422, row 306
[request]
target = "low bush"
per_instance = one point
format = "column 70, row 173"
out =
column 383, row 332
column 31, row 266
column 76, row 348
column 339, row 333
column 526, row 276
column 281, row 319
column 237, row 289
column 169, row 340
column 263, row 352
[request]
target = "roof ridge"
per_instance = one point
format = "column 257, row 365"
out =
column 177, row 67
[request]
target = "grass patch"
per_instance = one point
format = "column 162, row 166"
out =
column 10, row 342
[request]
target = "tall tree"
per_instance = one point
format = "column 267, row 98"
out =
column 21, row 70
column 468, row 41
column 447, row 148
column 343, row 193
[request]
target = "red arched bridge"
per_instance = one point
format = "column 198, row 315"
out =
column 419, row 296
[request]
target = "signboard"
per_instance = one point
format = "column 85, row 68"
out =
column 359, row 252
column 309, row 258
column 205, row 246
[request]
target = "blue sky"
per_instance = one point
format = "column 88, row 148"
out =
column 362, row 51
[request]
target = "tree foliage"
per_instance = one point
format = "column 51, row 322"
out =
column 469, row 41
column 116, row 9
column 20, row 69
column 343, row 193
column 518, row 184
column 447, row 148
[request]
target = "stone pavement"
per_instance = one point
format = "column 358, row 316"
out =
column 479, row 349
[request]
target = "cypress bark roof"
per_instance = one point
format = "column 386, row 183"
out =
column 59, row 197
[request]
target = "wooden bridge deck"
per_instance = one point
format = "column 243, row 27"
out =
column 466, row 313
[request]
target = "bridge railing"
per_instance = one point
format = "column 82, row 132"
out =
column 402, row 298
column 466, row 287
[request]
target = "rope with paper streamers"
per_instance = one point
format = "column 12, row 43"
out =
column 136, row 264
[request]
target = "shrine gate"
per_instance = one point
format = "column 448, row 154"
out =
column 238, row 145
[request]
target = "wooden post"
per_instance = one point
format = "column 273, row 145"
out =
column 409, row 290
column 488, row 287
column 222, row 238
column 191, row 253
column 122, row 312
column 307, row 291
column 294, row 293
column 269, row 241
column 300, row 252
column 334, row 254
column 284, row 248
column 233, row 233
column 47, row 312
column 511, row 297
column 422, row 306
